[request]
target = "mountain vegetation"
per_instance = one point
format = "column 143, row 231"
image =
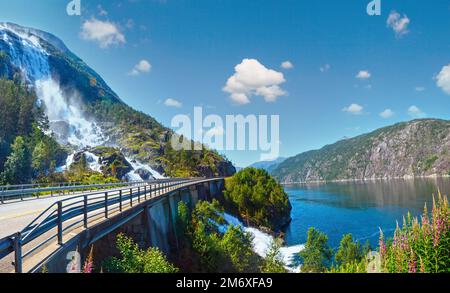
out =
column 135, row 260
column 142, row 137
column 258, row 198
column 416, row 148
column 26, row 150
column 212, row 246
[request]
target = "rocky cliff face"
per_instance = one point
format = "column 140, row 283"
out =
column 415, row 148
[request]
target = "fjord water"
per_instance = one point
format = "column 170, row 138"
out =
column 360, row 208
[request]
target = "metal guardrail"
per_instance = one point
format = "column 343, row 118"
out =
column 21, row 192
column 69, row 213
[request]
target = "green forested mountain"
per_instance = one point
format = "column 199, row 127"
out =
column 415, row 148
column 82, row 110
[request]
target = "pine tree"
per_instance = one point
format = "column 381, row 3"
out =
column 17, row 166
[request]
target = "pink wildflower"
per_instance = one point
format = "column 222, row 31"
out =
column 89, row 263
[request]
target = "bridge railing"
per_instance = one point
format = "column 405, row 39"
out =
column 11, row 192
column 80, row 211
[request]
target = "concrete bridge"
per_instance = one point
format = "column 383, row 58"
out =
column 85, row 218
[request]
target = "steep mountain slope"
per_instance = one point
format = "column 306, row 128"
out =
column 415, row 148
column 83, row 111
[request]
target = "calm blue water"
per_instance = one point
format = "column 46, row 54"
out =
column 359, row 208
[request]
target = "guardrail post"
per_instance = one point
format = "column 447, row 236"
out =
column 145, row 192
column 106, row 205
column 3, row 196
column 85, row 211
column 120, row 200
column 21, row 195
column 18, row 253
column 131, row 197
column 139, row 194
column 60, row 226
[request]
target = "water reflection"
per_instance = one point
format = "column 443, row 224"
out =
column 403, row 193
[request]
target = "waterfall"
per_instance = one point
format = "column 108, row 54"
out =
column 62, row 108
column 67, row 122
column 262, row 242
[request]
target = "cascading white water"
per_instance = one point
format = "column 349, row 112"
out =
column 133, row 176
column 66, row 120
column 262, row 242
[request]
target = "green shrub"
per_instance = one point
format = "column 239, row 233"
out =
column 135, row 260
column 317, row 254
column 259, row 198
column 273, row 262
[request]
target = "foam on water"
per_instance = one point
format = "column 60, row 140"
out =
column 262, row 242
column 69, row 162
column 73, row 128
column 93, row 162
column 132, row 176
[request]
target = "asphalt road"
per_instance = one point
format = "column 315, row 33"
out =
column 16, row 215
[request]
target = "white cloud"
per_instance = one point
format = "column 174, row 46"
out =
column 270, row 93
column 251, row 78
column 287, row 65
column 419, row 88
column 325, row 68
column 172, row 103
column 142, row 67
column 388, row 113
column 398, row 23
column 415, row 111
column 105, row 33
column 363, row 74
column 354, row 109
column 443, row 79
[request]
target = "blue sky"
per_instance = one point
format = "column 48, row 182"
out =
column 348, row 67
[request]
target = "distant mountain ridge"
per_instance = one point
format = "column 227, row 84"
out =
column 408, row 149
column 268, row 165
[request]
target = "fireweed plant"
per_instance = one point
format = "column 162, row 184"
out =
column 420, row 247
